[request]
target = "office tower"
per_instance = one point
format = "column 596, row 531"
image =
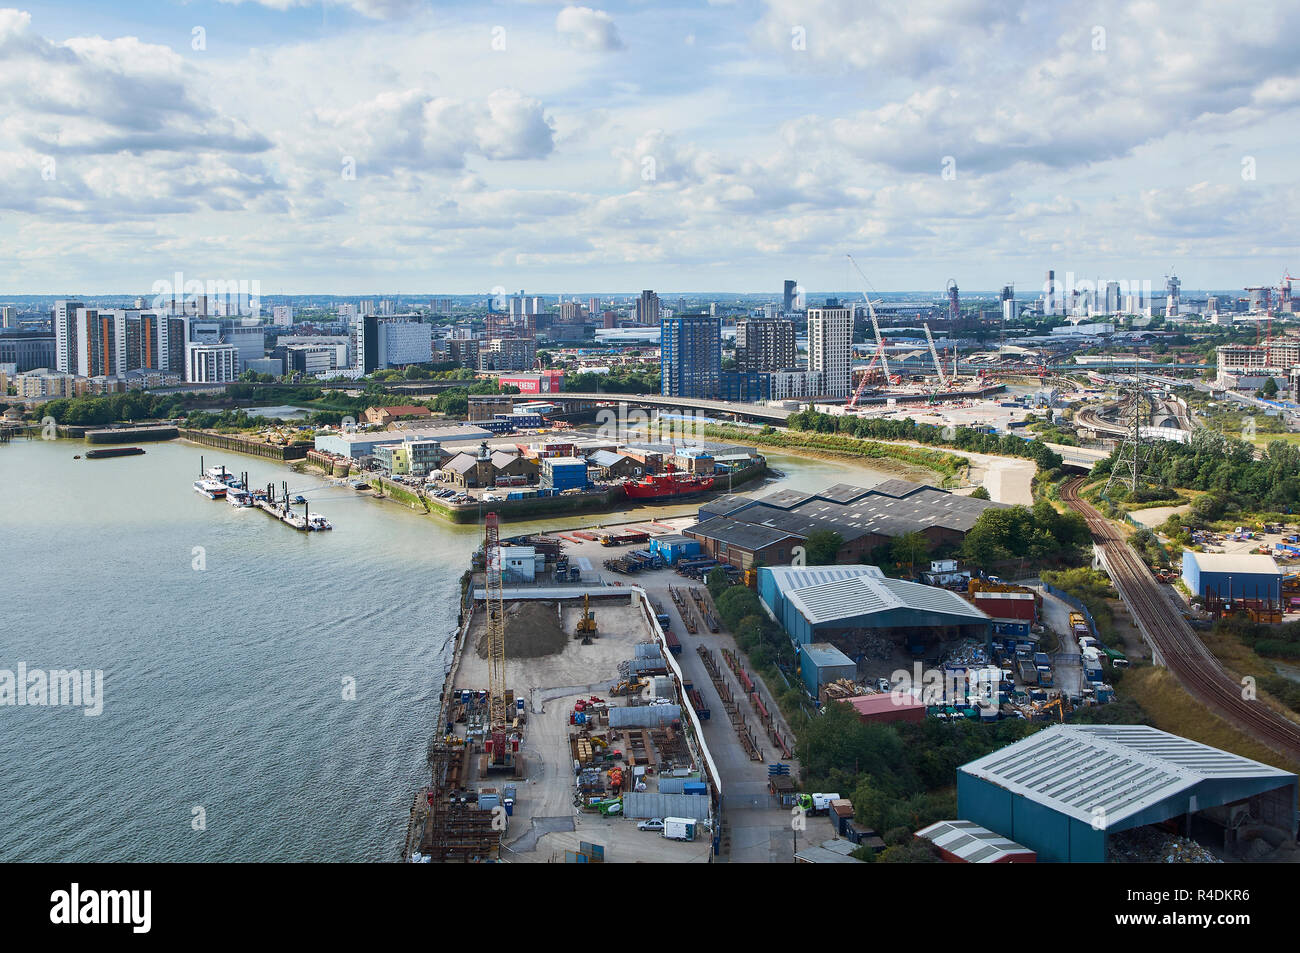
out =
column 8, row 317
column 1113, row 299
column 1051, row 300
column 954, row 301
column 1173, row 294
column 690, row 356
column 764, row 344
column 830, row 348
column 403, row 342
column 788, row 296
column 1008, row 303
column 64, row 318
column 647, row 308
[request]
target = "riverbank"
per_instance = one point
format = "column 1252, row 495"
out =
column 608, row 500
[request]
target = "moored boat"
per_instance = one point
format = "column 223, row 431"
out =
column 668, row 484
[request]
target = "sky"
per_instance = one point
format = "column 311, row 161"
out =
column 407, row 146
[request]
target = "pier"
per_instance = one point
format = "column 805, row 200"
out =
column 281, row 509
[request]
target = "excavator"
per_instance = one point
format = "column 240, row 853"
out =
column 586, row 628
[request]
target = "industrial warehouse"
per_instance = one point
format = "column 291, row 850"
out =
column 1076, row 793
column 840, row 604
column 742, row 531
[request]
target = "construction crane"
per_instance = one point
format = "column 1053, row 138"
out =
column 498, row 706
column 934, row 354
column 875, row 326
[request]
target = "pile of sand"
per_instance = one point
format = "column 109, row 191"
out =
column 532, row 630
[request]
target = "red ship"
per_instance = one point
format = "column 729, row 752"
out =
column 669, row 483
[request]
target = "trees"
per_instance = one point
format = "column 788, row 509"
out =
column 979, row 493
column 718, row 582
column 1040, row 534
column 822, row 547
column 910, row 549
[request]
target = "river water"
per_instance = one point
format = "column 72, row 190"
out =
column 267, row 694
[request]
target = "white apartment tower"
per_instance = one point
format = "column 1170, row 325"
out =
column 830, row 348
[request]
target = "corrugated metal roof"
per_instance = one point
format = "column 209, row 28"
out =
column 970, row 842
column 1244, row 563
column 1116, row 770
column 823, row 654
column 866, row 595
column 797, row 577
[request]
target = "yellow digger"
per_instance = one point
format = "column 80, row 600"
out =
column 586, row 629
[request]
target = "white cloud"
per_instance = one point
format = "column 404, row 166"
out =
column 588, row 29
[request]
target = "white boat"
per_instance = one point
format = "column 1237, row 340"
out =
column 318, row 523
column 212, row 489
column 238, row 497
column 221, row 475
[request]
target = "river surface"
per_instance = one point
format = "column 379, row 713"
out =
column 267, row 694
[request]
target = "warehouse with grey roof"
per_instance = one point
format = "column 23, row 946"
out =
column 864, row 518
column 1068, row 791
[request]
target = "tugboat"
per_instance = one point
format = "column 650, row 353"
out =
column 670, row 483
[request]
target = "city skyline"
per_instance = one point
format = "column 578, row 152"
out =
column 385, row 144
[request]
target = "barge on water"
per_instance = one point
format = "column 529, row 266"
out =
column 100, row 454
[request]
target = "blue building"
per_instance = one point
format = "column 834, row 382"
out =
column 690, row 356
column 1232, row 576
column 564, row 473
column 1065, row 791
column 746, row 387
column 815, row 604
column 821, row 663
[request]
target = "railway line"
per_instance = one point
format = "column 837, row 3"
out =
column 1173, row 642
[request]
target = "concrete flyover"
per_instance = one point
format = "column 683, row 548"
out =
column 1079, row 458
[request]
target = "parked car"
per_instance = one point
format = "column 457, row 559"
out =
column 654, row 824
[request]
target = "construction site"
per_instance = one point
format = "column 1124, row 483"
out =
column 565, row 734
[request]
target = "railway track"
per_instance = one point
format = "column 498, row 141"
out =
column 1173, row 642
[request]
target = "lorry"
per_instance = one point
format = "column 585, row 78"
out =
column 1043, row 665
column 813, row 804
column 1027, row 671
column 679, row 828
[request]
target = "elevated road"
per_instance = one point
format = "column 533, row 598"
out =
column 1173, row 642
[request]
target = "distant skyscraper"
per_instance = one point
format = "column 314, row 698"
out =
column 1051, row 297
column 1173, row 294
column 690, row 356
column 647, row 308
column 830, row 348
column 1008, row 303
column 788, row 295
column 1113, row 300
column 8, row 317
column 282, row 314
column 764, row 344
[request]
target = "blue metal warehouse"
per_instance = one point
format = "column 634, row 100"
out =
column 823, row 603
column 1232, row 575
column 1066, row 790
column 820, row 664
